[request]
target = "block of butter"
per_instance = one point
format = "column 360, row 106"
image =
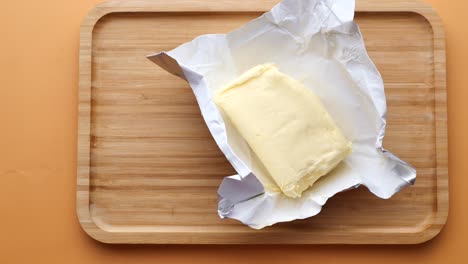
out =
column 285, row 125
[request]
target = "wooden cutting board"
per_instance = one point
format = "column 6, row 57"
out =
column 148, row 169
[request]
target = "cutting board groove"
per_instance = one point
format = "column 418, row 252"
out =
column 148, row 169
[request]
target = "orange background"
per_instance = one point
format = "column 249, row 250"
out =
column 38, row 113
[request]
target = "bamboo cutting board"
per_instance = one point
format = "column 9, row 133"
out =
column 148, row 169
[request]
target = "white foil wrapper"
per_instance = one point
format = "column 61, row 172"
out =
column 317, row 43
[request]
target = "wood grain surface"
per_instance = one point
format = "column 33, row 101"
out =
column 148, row 169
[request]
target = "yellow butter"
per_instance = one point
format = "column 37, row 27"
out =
column 286, row 125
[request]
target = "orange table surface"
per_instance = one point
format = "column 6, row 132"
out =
column 38, row 111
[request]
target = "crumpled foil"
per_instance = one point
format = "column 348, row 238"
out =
column 317, row 43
